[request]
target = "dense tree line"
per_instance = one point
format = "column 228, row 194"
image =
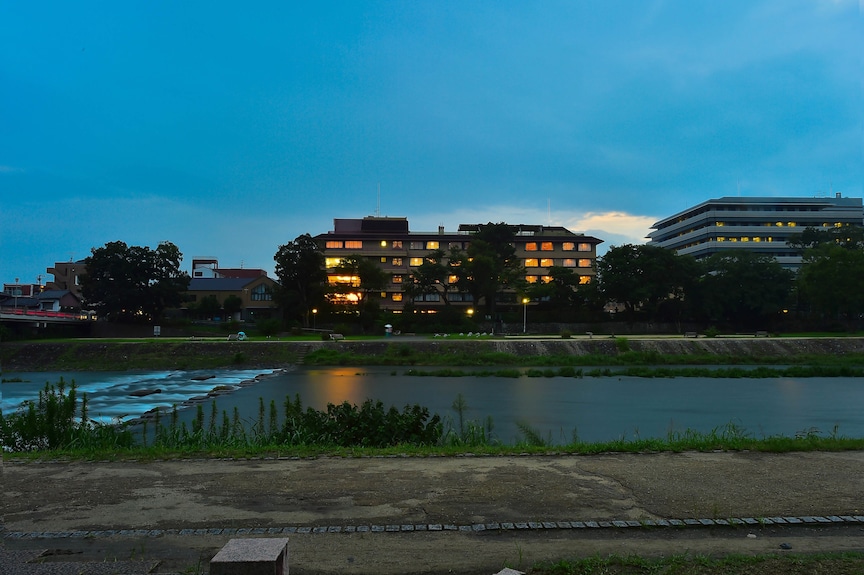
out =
column 736, row 288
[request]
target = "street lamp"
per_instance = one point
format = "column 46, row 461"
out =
column 525, row 301
column 314, row 315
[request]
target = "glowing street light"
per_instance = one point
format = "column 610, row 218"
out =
column 525, row 301
column 314, row 315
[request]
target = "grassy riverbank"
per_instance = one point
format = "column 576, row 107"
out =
column 99, row 355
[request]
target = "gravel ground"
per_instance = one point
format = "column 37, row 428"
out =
column 434, row 515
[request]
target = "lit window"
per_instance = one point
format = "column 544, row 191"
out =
column 546, row 246
column 452, row 279
column 791, row 224
column 431, row 245
column 531, row 263
column 721, row 238
column 531, row 247
column 584, row 280
column 757, row 239
column 568, row 246
column 779, row 224
column 745, row 239
column 261, row 293
column 333, row 244
column 719, row 224
column 397, row 262
column 397, row 279
column 332, row 262
column 383, row 243
column 397, row 244
column 569, row 263
column 397, row 297
column 584, row 247
column 547, row 263
column 354, row 245
column 383, row 260
column 585, row 263
column 531, row 279
column 416, row 261
column 547, row 279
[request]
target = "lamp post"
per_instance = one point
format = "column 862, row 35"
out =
column 525, row 301
column 314, row 315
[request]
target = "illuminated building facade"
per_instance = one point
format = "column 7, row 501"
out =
column 396, row 250
column 761, row 225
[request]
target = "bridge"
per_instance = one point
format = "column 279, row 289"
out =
column 40, row 316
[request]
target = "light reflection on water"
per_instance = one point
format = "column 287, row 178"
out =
column 598, row 409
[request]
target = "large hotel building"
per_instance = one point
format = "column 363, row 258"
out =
column 758, row 224
column 389, row 243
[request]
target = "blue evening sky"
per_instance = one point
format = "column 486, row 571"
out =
column 232, row 128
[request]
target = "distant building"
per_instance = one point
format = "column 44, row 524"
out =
column 396, row 250
column 761, row 225
column 208, row 267
column 67, row 276
column 256, row 294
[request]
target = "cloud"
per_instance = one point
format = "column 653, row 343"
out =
column 613, row 227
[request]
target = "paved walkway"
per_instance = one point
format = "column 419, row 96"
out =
column 432, row 515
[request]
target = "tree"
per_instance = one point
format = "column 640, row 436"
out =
column 208, row 307
column 232, row 306
column 133, row 282
column 744, row 288
column 645, row 279
column 831, row 280
column 302, row 278
column 430, row 277
column 848, row 236
column 367, row 280
column 489, row 265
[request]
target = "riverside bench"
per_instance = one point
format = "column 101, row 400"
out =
column 265, row 556
column 691, row 334
column 336, row 337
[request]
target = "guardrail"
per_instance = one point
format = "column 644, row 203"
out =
column 43, row 314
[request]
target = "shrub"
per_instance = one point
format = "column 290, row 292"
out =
column 712, row 332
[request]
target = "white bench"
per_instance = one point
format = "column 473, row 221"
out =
column 336, row 337
column 266, row 556
column 233, row 337
column 761, row 334
column 691, row 334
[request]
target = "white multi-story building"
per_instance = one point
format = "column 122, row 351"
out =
column 762, row 225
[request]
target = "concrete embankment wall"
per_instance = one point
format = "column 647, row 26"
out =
column 94, row 355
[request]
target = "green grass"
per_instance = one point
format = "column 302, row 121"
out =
column 791, row 564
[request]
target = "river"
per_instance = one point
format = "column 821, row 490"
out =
column 596, row 408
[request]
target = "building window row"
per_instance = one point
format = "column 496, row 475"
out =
column 546, row 279
column 549, row 262
column 550, row 246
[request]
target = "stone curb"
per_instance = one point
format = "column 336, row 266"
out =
column 467, row 528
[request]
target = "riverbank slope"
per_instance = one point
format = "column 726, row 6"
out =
column 92, row 355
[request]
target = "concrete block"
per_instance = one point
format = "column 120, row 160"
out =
column 264, row 556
